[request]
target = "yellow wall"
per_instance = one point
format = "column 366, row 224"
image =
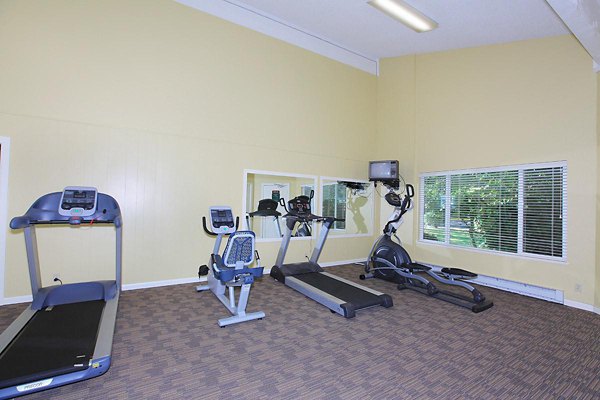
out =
column 523, row 102
column 396, row 119
column 163, row 107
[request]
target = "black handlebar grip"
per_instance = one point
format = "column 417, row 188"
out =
column 282, row 203
column 206, row 229
column 237, row 223
column 410, row 190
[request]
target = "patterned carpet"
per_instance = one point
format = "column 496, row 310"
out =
column 168, row 346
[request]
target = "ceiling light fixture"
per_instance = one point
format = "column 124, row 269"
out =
column 405, row 13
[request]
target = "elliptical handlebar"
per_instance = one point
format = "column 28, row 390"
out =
column 404, row 206
column 211, row 233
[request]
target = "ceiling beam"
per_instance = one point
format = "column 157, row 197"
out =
column 582, row 17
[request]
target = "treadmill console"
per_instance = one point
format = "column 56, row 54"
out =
column 221, row 219
column 299, row 206
column 78, row 201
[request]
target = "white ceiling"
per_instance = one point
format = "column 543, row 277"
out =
column 356, row 26
column 353, row 32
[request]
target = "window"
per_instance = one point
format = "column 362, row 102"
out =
column 334, row 203
column 518, row 210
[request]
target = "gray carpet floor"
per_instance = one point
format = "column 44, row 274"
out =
column 168, row 345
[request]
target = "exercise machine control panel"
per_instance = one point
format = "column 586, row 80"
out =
column 221, row 219
column 78, row 201
column 299, row 206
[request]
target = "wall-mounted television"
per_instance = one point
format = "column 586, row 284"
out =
column 384, row 171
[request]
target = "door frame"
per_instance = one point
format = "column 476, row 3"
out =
column 4, row 164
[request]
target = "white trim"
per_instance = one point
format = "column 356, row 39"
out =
column 499, row 168
column 283, row 174
column 334, row 180
column 257, row 20
column 335, row 263
column 4, row 163
column 315, row 179
column 17, row 300
column 581, row 306
column 597, row 310
column 539, row 292
column 153, row 284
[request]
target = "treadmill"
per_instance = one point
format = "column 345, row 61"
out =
column 339, row 295
column 66, row 334
column 266, row 208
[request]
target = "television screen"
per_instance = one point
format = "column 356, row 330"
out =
column 384, row 171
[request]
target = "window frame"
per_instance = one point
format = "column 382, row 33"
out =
column 325, row 180
column 520, row 168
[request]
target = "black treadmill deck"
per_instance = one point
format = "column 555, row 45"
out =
column 55, row 341
column 351, row 294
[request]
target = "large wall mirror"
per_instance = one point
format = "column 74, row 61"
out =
column 263, row 211
column 351, row 200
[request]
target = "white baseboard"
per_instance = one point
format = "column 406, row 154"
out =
column 553, row 295
column 334, row 263
column 581, row 306
column 170, row 282
column 131, row 286
column 539, row 292
column 16, row 300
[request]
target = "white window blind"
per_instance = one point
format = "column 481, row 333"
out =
column 518, row 209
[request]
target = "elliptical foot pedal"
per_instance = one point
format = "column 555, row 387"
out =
column 417, row 267
column 459, row 272
column 479, row 307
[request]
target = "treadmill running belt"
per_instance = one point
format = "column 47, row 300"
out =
column 52, row 343
column 350, row 294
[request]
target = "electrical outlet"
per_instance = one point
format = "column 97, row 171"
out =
column 578, row 287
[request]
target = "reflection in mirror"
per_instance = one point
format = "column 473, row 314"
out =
column 350, row 200
column 264, row 192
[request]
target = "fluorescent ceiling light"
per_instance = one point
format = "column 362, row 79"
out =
column 406, row 14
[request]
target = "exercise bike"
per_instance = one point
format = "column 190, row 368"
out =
column 232, row 270
column 388, row 260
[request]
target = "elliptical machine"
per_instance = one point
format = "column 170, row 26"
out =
column 388, row 260
column 232, row 269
